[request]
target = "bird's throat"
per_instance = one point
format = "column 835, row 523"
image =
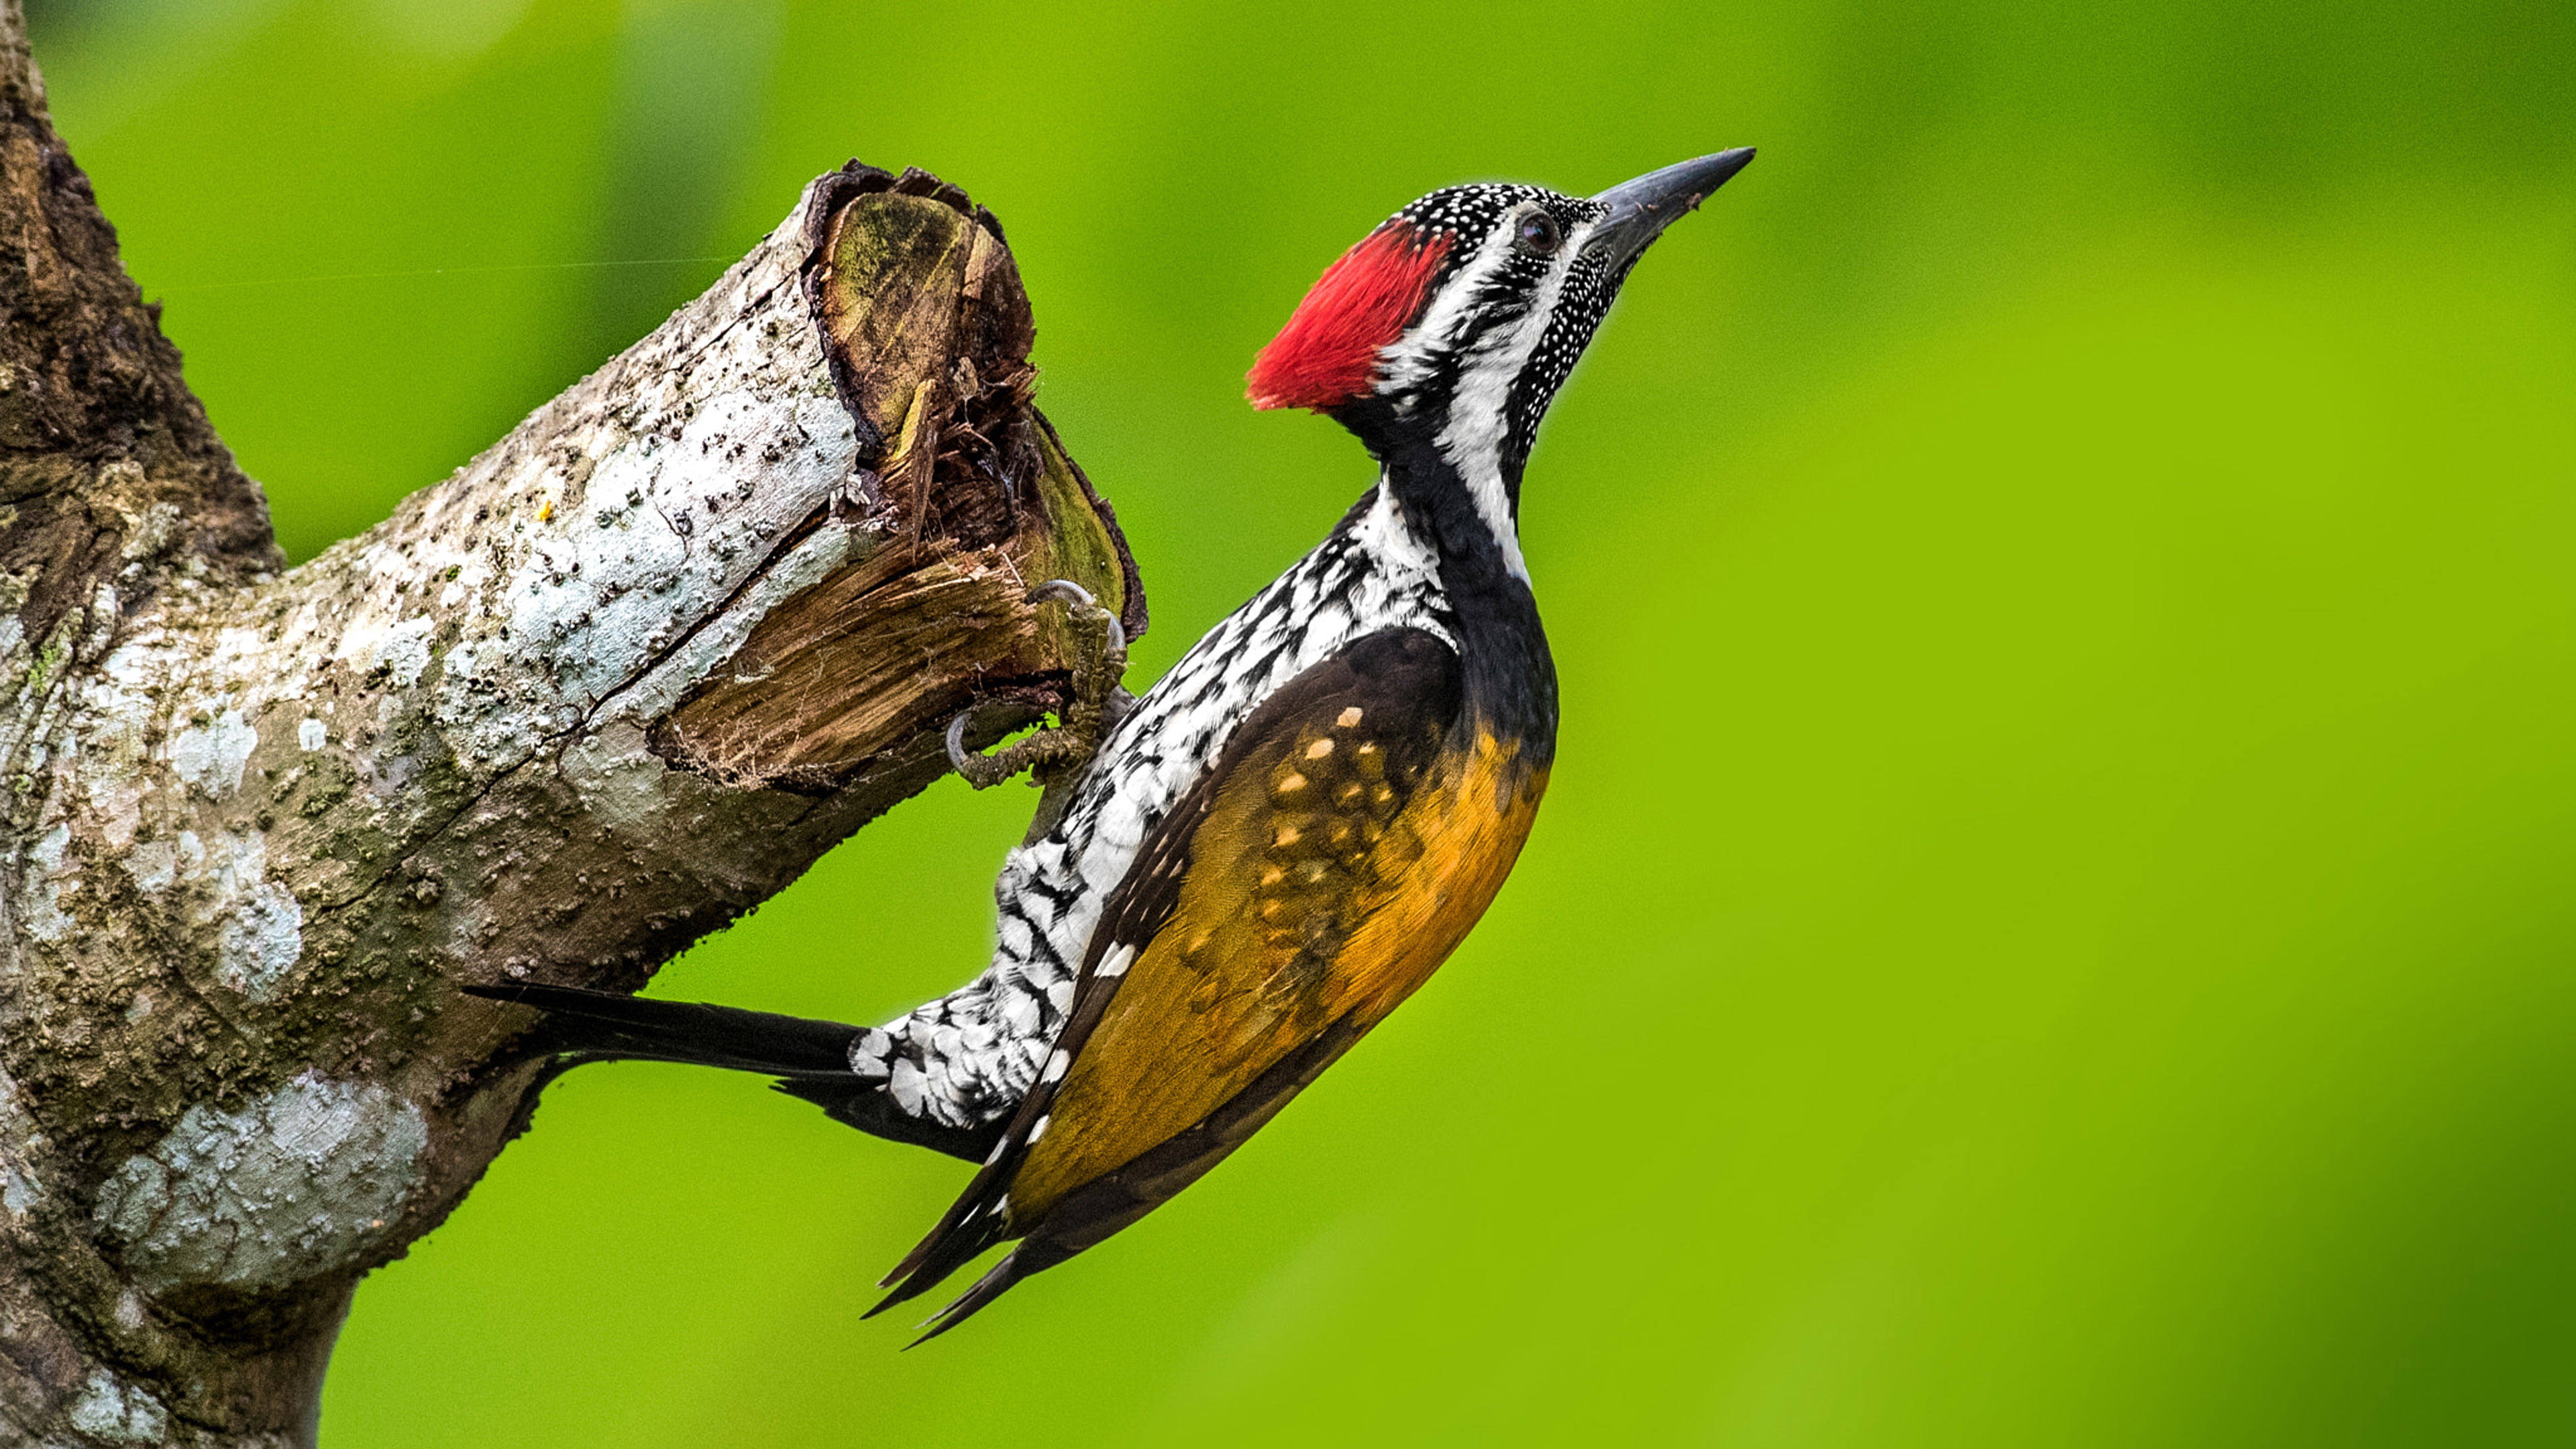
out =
column 1472, row 530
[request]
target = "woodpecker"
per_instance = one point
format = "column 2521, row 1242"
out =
column 1266, row 853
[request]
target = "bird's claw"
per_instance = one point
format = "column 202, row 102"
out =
column 1099, row 662
column 1108, row 652
column 1063, row 591
column 981, row 771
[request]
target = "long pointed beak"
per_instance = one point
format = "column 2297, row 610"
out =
column 1641, row 209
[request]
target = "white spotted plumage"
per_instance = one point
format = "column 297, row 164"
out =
column 1479, row 411
column 1439, row 343
column 1501, row 327
column 966, row 1059
column 1480, row 349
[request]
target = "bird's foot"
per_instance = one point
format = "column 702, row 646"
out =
column 1061, row 751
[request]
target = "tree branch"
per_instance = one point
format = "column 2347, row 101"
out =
column 620, row 678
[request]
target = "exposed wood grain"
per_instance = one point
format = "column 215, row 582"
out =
column 621, row 677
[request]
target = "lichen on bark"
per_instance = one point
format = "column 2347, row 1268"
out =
column 612, row 683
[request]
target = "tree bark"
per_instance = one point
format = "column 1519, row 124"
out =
column 614, row 682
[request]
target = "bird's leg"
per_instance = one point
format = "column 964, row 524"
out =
column 1059, row 753
column 1099, row 662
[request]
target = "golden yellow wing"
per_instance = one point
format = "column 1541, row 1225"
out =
column 1351, row 833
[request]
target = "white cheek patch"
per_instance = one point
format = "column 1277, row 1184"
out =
column 1405, row 364
column 1479, row 412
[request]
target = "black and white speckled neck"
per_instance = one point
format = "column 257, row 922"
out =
column 1451, row 416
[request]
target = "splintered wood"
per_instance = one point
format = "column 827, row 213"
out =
column 969, row 501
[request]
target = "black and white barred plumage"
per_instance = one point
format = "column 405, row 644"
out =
column 966, row 1059
column 1297, row 824
column 1499, row 337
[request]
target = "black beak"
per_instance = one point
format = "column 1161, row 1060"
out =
column 1641, row 209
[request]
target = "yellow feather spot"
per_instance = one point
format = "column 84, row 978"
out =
column 1349, row 717
column 1385, row 793
column 1319, row 749
column 1273, row 876
column 1292, row 784
column 1348, row 794
column 1287, row 836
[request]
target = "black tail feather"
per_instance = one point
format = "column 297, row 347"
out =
column 810, row 1059
column 943, row 1253
column 606, row 1024
column 1033, row 1255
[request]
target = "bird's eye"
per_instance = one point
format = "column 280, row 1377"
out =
column 1538, row 234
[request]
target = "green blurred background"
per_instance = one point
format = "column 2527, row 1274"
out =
column 2056, row 919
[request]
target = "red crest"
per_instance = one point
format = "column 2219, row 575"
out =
column 1327, row 354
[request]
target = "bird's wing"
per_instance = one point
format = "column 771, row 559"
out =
column 1351, row 831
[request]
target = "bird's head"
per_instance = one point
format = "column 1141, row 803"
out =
column 1453, row 324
